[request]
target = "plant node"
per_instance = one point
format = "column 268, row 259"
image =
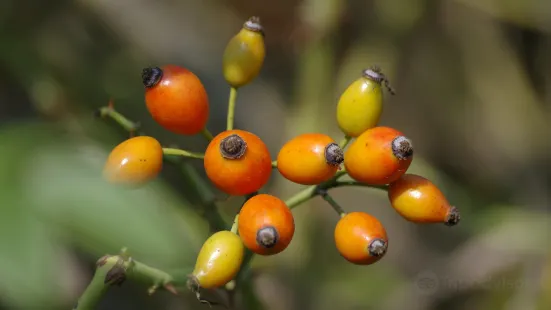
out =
column 453, row 217
column 151, row 76
column 267, row 237
column 374, row 73
column 334, row 155
column 402, row 148
column 117, row 274
column 233, row 147
column 253, row 24
column 377, row 247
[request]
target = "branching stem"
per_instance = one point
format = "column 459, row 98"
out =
column 114, row 270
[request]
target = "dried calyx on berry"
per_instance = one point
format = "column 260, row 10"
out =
column 453, row 218
column 333, row 154
column 151, row 76
column 267, row 237
column 377, row 247
column 402, row 148
column 233, row 147
column 253, row 24
column 375, row 74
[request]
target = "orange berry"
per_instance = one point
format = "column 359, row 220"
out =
column 266, row 224
column 238, row 162
column 418, row 200
column 176, row 99
column 134, row 161
column 360, row 238
column 309, row 159
column 378, row 156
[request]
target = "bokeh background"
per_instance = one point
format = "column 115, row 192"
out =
column 473, row 88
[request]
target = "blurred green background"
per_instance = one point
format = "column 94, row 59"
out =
column 473, row 81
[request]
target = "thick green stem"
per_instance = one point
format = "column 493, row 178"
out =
column 114, row 270
column 184, row 153
column 312, row 191
column 231, row 108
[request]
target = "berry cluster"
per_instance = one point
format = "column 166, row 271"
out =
column 238, row 163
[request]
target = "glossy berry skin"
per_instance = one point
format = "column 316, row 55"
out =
column 218, row 261
column 244, row 54
column 418, row 200
column 309, row 159
column 176, row 99
column 266, row 225
column 360, row 106
column 360, row 238
column 134, row 161
column 242, row 173
column 378, row 156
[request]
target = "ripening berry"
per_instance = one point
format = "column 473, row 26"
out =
column 266, row 224
column 361, row 104
column 418, row 200
column 309, row 159
column 378, row 156
column 134, row 161
column 360, row 238
column 176, row 99
column 244, row 55
column 238, row 162
column 218, row 261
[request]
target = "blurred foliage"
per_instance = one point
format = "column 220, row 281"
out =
column 473, row 92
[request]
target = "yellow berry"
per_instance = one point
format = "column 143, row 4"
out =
column 244, row 55
column 361, row 104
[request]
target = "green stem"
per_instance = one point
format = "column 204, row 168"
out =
column 235, row 224
column 114, row 270
column 325, row 195
column 231, row 108
column 184, row 153
column 344, row 142
column 125, row 123
column 207, row 134
column 274, row 164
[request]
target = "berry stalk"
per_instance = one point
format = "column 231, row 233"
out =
column 121, row 120
column 325, row 195
column 184, row 153
column 207, row 134
column 345, row 141
column 231, row 108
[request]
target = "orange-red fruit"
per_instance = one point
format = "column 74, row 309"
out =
column 378, row 156
column 418, row 200
column 238, row 162
column 134, row 161
column 176, row 99
column 309, row 159
column 360, row 238
column 266, row 225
